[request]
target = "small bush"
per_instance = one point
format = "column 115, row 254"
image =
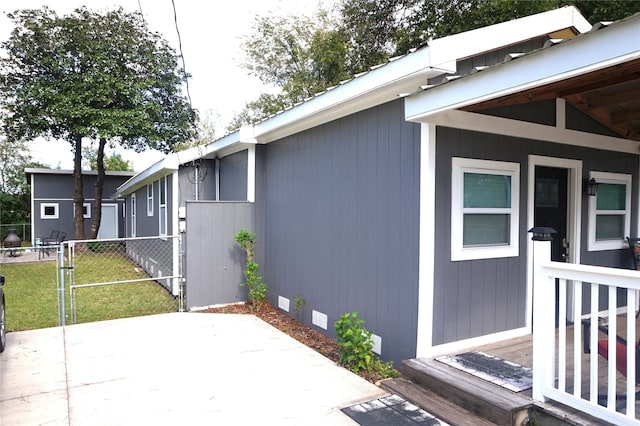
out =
column 253, row 280
column 356, row 349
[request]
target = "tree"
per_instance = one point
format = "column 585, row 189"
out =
column 298, row 55
column 101, row 77
column 301, row 56
column 113, row 162
column 15, row 206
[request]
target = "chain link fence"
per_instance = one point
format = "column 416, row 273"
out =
column 99, row 270
column 91, row 280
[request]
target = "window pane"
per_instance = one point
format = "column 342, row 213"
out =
column 611, row 196
column 49, row 211
column 487, row 191
column 486, row 229
column 609, row 227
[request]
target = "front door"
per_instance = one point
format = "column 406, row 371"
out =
column 550, row 209
column 108, row 222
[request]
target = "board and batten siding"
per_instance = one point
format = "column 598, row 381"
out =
column 480, row 297
column 215, row 271
column 340, row 219
column 233, row 177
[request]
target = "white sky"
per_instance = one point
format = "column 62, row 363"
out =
column 211, row 33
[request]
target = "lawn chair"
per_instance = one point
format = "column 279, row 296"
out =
column 51, row 242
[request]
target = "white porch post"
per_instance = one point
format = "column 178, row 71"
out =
column 543, row 318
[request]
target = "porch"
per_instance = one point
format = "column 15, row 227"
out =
column 571, row 385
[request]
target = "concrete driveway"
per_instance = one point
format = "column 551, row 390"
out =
column 176, row 368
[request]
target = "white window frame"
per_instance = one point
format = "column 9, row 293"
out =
column 150, row 199
column 133, row 215
column 162, row 207
column 55, row 215
column 615, row 178
column 85, row 207
column 459, row 166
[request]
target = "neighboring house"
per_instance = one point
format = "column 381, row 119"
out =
column 407, row 192
column 52, row 202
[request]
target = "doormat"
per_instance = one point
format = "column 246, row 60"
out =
column 496, row 370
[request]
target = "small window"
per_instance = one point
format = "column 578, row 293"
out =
column 610, row 211
column 133, row 215
column 484, row 209
column 86, row 210
column 150, row 199
column 49, row 211
column 162, row 207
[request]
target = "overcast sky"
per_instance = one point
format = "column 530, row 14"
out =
column 211, row 33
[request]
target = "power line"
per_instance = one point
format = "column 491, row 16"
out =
column 184, row 68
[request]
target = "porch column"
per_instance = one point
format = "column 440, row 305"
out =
column 543, row 320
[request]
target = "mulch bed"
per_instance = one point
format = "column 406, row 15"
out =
column 276, row 318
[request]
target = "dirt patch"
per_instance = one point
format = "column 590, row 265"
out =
column 302, row 333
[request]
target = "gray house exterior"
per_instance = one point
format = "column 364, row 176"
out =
column 407, row 193
column 52, row 202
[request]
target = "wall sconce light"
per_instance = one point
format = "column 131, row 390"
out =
column 592, row 187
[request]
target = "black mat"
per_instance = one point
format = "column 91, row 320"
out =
column 391, row 410
column 493, row 369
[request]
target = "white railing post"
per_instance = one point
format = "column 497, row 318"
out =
column 543, row 320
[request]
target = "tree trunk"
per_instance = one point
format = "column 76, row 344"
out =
column 97, row 208
column 78, row 190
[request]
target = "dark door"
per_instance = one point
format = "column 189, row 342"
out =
column 551, row 207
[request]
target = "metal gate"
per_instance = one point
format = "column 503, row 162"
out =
column 84, row 264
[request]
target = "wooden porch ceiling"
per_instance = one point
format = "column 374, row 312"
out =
column 610, row 96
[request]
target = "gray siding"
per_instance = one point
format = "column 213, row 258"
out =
column 149, row 225
column 214, row 276
column 340, row 211
column 58, row 188
column 203, row 182
column 233, row 177
column 479, row 297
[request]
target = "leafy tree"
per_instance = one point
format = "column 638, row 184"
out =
column 301, row 56
column 15, row 205
column 102, row 77
column 298, row 55
column 113, row 162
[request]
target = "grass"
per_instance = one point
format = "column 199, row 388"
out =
column 32, row 299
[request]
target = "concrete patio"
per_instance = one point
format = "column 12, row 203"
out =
column 175, row 368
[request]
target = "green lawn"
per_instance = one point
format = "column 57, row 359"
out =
column 32, row 300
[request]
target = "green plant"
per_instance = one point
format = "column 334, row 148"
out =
column 355, row 347
column 300, row 302
column 253, row 280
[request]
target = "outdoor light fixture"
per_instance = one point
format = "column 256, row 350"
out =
column 592, row 187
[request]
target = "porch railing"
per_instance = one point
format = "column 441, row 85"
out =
column 610, row 299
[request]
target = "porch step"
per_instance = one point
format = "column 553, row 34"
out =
column 433, row 403
column 458, row 392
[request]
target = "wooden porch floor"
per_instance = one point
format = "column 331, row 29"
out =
column 520, row 350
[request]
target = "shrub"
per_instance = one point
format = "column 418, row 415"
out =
column 253, row 280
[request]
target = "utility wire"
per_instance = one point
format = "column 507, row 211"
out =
column 184, row 68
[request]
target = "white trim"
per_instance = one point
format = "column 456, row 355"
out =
column 55, row 215
column 34, row 231
column 459, row 166
column 162, row 219
column 86, row 215
column 616, row 178
column 521, row 129
column 426, row 244
column 574, row 217
column 175, row 219
column 459, row 345
column 251, row 173
column 561, row 113
column 133, row 206
column 589, row 52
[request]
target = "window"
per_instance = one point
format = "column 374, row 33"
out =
column 86, row 210
column 49, row 211
column 150, row 199
column 133, row 215
column 484, row 209
column 162, row 207
column 610, row 211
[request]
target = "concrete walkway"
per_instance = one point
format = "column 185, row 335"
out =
column 176, row 368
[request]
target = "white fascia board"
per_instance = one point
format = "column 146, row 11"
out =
column 404, row 75
column 606, row 47
column 470, row 43
column 163, row 167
